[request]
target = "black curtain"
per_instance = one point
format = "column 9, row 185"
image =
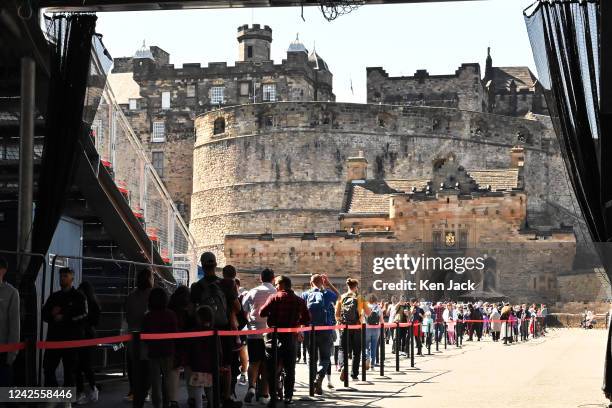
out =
column 70, row 67
column 69, row 60
column 566, row 39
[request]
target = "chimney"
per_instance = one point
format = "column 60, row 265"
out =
column 357, row 167
column 517, row 157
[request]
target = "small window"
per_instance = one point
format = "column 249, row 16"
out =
column 216, row 94
column 245, row 88
column 157, row 160
column 437, row 239
column 269, row 92
column 219, row 126
column 165, row 100
column 191, row 91
column 133, row 104
column 159, row 132
column 250, row 51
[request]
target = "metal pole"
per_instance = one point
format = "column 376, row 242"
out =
column 26, row 162
column 274, row 371
column 345, row 355
column 412, row 344
column 381, row 354
column 363, row 353
column 397, row 346
column 216, row 394
column 445, row 334
column 312, row 367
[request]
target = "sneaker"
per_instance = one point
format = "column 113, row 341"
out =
column 288, row 401
column 129, row 397
column 265, row 400
column 82, row 399
column 248, row 398
column 330, row 385
column 242, row 380
column 94, row 394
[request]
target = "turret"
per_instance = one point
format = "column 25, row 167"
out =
column 254, row 43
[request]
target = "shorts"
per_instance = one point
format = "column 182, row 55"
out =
column 256, row 349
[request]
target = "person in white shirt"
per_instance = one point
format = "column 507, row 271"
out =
column 450, row 318
column 252, row 302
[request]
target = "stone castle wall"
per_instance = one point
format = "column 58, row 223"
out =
column 292, row 155
column 461, row 90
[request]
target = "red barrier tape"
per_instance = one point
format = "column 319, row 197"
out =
column 7, row 348
column 4, row 348
column 180, row 335
column 82, row 343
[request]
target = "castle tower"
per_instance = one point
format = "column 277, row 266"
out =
column 254, row 43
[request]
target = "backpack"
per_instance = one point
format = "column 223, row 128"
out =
column 349, row 310
column 316, row 306
column 374, row 317
column 210, row 294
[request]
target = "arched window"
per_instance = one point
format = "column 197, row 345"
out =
column 219, row 126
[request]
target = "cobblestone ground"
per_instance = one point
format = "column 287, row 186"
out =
column 563, row 369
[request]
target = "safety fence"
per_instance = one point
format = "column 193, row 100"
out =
column 404, row 341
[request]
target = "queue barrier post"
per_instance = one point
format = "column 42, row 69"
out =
column 30, row 352
column 274, row 370
column 397, row 346
column 445, row 334
column 458, row 334
column 412, row 344
column 363, row 353
column 312, row 368
column 216, row 388
column 345, row 355
column 381, row 354
column 409, row 340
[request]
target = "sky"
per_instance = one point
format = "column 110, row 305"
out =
column 401, row 38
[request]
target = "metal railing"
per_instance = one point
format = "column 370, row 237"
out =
column 124, row 157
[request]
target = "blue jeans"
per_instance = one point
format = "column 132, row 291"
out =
column 372, row 336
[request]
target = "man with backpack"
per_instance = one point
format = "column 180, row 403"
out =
column 318, row 300
column 208, row 291
column 350, row 310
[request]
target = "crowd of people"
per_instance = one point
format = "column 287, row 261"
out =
column 157, row 367
column 221, row 303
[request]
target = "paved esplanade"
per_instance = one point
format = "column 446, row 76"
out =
column 564, row 369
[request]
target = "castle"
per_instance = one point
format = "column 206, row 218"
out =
column 266, row 167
